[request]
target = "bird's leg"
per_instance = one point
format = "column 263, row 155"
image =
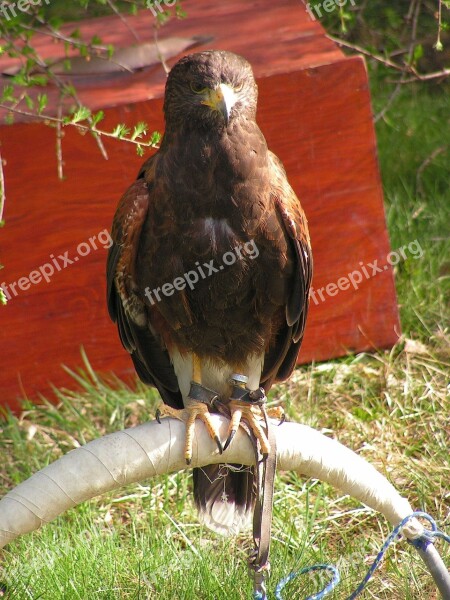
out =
column 248, row 405
column 196, row 406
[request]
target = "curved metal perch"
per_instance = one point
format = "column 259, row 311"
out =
column 138, row 453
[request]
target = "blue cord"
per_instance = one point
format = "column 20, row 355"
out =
column 326, row 590
column 426, row 538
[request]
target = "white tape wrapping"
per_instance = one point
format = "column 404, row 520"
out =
column 136, row 454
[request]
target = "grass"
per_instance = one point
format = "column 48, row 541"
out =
column 417, row 202
column 391, row 407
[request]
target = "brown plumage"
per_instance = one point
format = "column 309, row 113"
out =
column 214, row 202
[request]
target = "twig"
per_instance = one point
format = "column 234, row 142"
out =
column 50, row 31
column 416, row 76
column 84, row 128
column 2, row 189
column 114, row 8
column 59, row 136
column 411, row 9
column 438, row 44
column 428, row 76
column 390, row 101
column 365, row 52
column 415, row 20
column 414, row 12
column 160, row 56
column 64, row 92
column 76, row 43
column 424, row 165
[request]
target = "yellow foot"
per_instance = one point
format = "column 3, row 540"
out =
column 193, row 410
column 254, row 416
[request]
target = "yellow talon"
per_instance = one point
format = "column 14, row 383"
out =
column 253, row 415
column 194, row 410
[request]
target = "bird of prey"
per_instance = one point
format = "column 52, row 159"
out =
column 208, row 276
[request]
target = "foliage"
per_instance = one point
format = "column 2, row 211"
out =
column 35, row 73
column 400, row 35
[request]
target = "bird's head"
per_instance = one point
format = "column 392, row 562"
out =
column 210, row 89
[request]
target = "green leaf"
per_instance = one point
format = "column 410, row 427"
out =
column 3, row 299
column 81, row 114
column 97, row 117
column 8, row 95
column 418, row 52
column 42, row 103
column 139, row 130
column 27, row 50
column 120, row 131
column 84, row 51
column 69, row 90
column 155, row 138
column 19, row 79
column 41, row 80
column 29, row 101
column 55, row 22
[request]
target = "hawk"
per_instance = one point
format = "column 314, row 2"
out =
column 208, row 276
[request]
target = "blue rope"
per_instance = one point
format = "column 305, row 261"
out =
column 326, row 590
column 427, row 537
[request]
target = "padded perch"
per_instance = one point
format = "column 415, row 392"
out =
column 135, row 454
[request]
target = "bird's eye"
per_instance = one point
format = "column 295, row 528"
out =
column 238, row 87
column 197, row 88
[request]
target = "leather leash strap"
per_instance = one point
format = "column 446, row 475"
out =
column 265, row 475
column 262, row 517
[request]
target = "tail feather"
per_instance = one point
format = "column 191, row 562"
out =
column 225, row 497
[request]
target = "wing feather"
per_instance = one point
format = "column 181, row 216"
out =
column 125, row 307
column 281, row 359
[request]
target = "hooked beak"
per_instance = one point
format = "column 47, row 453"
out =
column 222, row 99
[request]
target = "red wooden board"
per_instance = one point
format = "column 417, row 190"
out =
column 315, row 111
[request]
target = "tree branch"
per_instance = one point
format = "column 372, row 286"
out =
column 2, row 190
column 84, row 128
column 131, row 29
